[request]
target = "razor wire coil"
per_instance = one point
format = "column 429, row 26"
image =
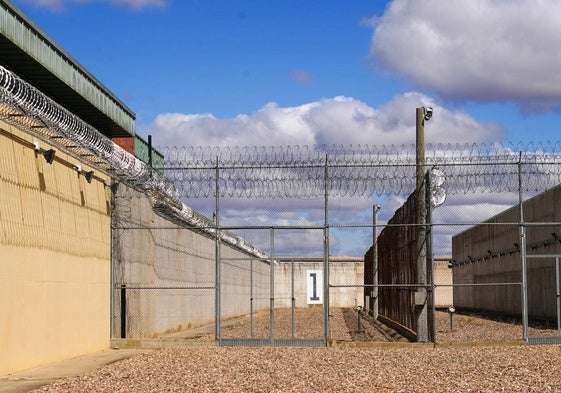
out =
column 306, row 171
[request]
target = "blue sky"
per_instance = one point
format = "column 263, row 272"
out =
column 220, row 57
column 309, row 72
column 231, row 58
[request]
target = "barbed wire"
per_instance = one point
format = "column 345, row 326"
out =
column 310, row 171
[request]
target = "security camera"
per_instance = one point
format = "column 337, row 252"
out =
column 428, row 112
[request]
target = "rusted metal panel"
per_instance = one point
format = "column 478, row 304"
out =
column 397, row 267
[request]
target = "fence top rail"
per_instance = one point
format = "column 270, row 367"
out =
column 297, row 259
column 342, row 226
column 543, row 256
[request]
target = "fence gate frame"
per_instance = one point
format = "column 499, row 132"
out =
column 272, row 260
column 272, row 341
column 548, row 339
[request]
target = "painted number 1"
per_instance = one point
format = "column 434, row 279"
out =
column 314, row 285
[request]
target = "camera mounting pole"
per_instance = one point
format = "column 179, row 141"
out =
column 421, row 304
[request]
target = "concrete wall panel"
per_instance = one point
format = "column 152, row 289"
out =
column 54, row 257
column 490, row 254
column 159, row 261
column 345, row 272
column 150, row 251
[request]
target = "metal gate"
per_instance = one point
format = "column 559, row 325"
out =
column 274, row 301
column 544, row 297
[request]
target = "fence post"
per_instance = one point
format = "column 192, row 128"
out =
column 326, row 254
column 217, row 291
column 293, row 299
column 272, row 286
column 374, row 290
column 431, row 312
column 522, row 233
column 251, row 298
column 123, row 311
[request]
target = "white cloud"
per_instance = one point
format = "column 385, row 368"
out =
column 61, row 5
column 483, row 50
column 338, row 120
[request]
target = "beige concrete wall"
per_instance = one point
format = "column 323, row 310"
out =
column 54, row 257
column 162, row 263
column 346, row 273
column 496, row 259
column 152, row 252
column 443, row 293
column 341, row 272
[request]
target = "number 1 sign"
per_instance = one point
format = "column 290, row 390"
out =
column 314, row 292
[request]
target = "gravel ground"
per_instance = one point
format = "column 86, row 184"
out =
column 335, row 369
column 393, row 368
column 473, row 328
column 308, row 323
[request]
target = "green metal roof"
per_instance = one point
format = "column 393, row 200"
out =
column 30, row 53
column 142, row 152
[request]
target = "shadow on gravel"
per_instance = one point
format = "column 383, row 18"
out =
column 368, row 330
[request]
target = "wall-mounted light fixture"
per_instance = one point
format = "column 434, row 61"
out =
column 88, row 176
column 49, row 155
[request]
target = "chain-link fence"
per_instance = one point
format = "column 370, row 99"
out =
column 504, row 259
column 301, row 213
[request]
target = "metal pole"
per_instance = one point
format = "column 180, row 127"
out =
column 217, row 290
column 123, row 311
column 272, row 287
column 430, row 260
column 376, row 209
column 522, row 232
column 420, row 206
column 558, row 294
column 150, row 151
column 326, row 254
column 251, row 298
column 292, row 295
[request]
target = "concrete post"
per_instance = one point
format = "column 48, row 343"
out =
column 420, row 206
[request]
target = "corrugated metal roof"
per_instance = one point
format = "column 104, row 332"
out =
column 34, row 56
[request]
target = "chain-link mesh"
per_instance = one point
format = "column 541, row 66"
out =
column 164, row 312
column 505, row 269
column 267, row 311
